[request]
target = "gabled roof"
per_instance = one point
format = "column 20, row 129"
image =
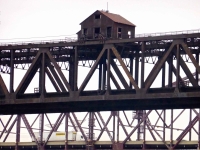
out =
column 117, row 18
column 114, row 17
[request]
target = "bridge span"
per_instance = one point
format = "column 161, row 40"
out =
column 126, row 74
column 144, row 75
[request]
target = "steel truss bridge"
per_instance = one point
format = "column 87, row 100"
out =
column 150, row 76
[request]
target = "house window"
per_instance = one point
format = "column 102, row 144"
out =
column 97, row 16
column 109, row 32
column 129, row 34
column 84, row 31
column 119, row 33
column 97, row 31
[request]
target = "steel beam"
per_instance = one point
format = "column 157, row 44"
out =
column 89, row 75
column 125, row 69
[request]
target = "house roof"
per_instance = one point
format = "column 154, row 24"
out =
column 114, row 17
column 117, row 18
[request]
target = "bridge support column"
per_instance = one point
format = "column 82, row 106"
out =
column 41, row 128
column 66, row 130
column 41, row 147
column 18, row 132
column 118, row 146
column 91, row 131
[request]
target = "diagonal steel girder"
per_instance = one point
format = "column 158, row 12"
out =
column 4, row 129
column 79, row 126
column 150, row 130
column 125, row 68
column 125, row 131
column 29, row 74
column 30, row 131
column 154, row 72
column 187, row 72
column 89, row 75
column 105, row 126
column 187, row 129
column 9, row 129
column 139, row 123
column 174, row 70
column 114, row 81
column 3, row 87
column 55, row 75
column 153, row 128
column 52, row 80
column 187, row 50
column 119, row 74
column 73, row 124
column 55, row 126
column 58, row 69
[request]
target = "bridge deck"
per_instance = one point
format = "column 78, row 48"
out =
column 136, row 92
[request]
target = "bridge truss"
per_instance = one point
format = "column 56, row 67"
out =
column 144, row 73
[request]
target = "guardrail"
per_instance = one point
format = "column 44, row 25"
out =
column 65, row 40
column 74, row 39
column 168, row 33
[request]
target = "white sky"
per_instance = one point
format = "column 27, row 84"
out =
column 39, row 18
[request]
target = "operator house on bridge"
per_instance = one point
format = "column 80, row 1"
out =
column 106, row 25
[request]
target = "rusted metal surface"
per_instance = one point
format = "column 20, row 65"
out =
column 123, row 81
column 122, row 58
column 154, row 136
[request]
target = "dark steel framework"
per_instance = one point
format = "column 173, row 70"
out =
column 152, row 129
column 139, row 74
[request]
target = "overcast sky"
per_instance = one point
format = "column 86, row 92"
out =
column 41, row 18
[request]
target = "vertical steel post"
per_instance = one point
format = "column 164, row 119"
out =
column 164, row 122
column 66, row 130
column 144, row 133
column 108, row 71
column 197, row 75
column 114, row 114
column 18, row 126
column 170, row 62
column 42, row 78
column 73, row 68
column 190, row 119
column 12, row 71
column 91, row 131
column 131, row 70
column 163, row 75
column 104, row 73
column 76, row 69
column 118, row 117
column 100, row 77
column 142, row 65
column 171, row 130
column 136, row 66
column 199, row 133
column 177, row 65
column 41, row 129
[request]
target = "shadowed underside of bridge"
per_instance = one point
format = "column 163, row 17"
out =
column 139, row 73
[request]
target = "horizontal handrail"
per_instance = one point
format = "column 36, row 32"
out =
column 75, row 39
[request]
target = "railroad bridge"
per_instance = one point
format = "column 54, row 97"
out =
column 153, row 73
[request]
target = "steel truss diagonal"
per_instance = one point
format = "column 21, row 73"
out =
column 137, row 93
column 146, row 129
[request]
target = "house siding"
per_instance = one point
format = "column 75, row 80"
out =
column 91, row 23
